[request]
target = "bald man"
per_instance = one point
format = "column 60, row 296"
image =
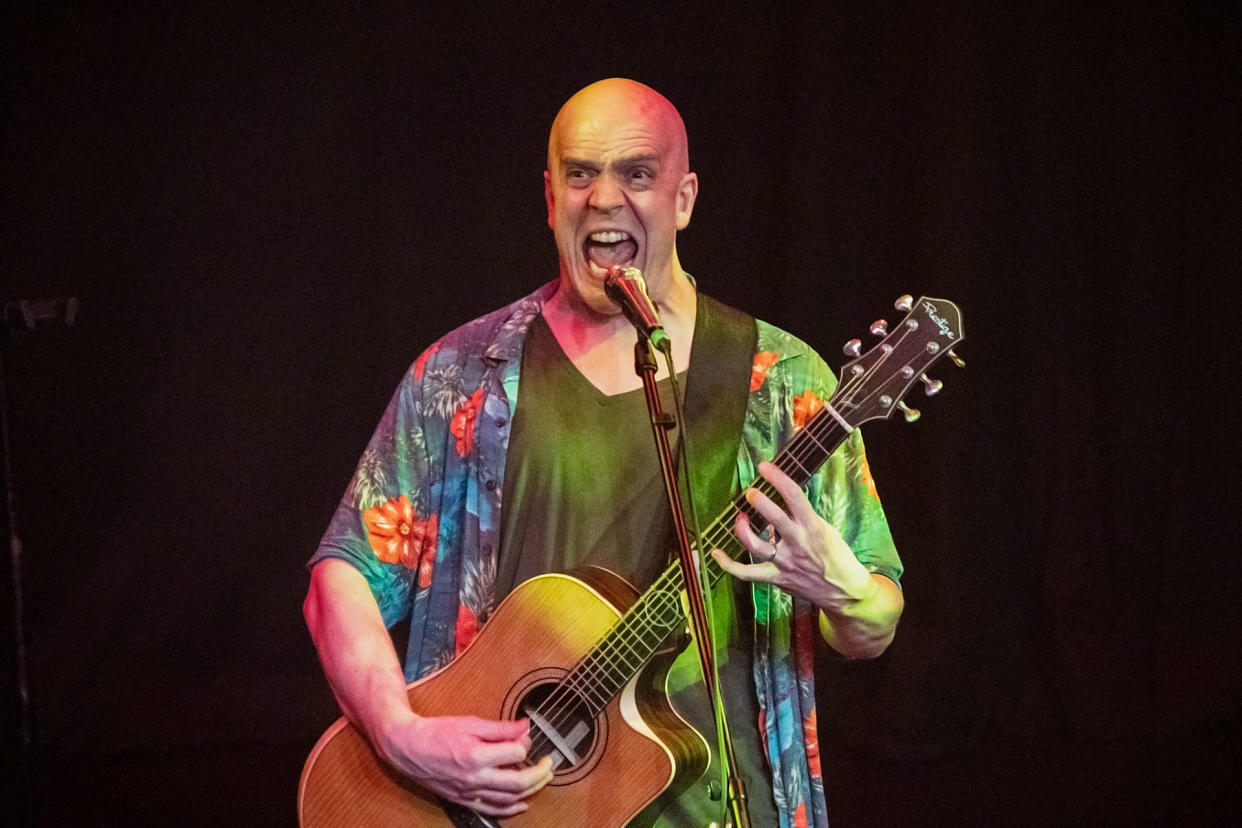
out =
column 469, row 488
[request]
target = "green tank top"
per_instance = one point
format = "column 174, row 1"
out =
column 583, row 487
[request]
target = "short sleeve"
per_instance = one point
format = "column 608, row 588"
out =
column 379, row 526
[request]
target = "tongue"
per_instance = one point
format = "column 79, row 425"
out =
column 610, row 255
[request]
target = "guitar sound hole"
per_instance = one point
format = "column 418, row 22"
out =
column 561, row 725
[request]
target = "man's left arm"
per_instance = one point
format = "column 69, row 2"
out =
column 807, row 557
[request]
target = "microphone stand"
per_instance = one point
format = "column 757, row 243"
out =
column 661, row 422
column 22, row 317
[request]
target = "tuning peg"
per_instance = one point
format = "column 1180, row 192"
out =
column 904, row 302
column 931, row 387
column 879, row 327
column 957, row 360
column 853, row 348
column 911, row 414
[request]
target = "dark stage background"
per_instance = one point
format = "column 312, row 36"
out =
column 267, row 213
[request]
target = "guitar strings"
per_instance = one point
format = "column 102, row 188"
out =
column 594, row 675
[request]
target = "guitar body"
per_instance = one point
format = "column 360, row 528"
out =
column 635, row 754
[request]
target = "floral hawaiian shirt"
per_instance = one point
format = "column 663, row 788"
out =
column 421, row 517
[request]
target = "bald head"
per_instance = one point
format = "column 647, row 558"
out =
column 619, row 188
column 618, row 103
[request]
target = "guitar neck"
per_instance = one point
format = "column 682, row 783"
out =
column 658, row 612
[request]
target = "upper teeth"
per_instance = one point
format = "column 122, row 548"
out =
column 609, row 236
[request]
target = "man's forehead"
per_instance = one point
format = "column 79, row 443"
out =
column 617, row 114
column 619, row 138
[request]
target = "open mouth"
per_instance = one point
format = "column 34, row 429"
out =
column 607, row 249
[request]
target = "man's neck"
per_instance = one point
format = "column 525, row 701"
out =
column 602, row 346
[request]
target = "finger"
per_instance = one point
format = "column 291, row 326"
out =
column 497, row 754
column 490, row 730
column 504, row 795
column 796, row 501
column 519, row 782
column 546, row 765
column 759, row 547
column 771, row 511
column 763, row 551
column 493, row 799
column 765, row 571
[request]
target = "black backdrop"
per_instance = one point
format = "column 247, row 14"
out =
column 267, row 213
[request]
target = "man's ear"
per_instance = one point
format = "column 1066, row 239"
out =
column 549, row 198
column 687, row 192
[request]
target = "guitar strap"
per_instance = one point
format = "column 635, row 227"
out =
column 717, row 391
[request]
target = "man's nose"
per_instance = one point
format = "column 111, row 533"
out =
column 607, row 194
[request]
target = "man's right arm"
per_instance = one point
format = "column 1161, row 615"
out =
column 463, row 758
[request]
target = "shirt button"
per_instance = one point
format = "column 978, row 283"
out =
column 491, row 485
column 500, row 423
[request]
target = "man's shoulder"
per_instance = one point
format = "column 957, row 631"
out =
column 783, row 346
column 771, row 339
column 495, row 335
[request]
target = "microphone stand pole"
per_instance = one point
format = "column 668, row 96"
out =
column 21, row 688
column 19, row 317
column 661, row 422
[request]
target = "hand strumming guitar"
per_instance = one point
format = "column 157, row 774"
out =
column 467, row 760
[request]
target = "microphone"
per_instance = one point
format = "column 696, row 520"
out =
column 626, row 287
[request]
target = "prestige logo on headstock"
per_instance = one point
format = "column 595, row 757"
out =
column 938, row 319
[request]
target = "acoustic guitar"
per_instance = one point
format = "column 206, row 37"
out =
column 594, row 689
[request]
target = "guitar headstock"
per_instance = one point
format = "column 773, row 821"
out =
column 874, row 384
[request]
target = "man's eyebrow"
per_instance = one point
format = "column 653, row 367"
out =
column 627, row 161
column 644, row 158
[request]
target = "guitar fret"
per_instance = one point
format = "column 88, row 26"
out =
column 595, row 695
column 600, row 699
column 810, row 436
column 623, row 659
column 802, row 469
